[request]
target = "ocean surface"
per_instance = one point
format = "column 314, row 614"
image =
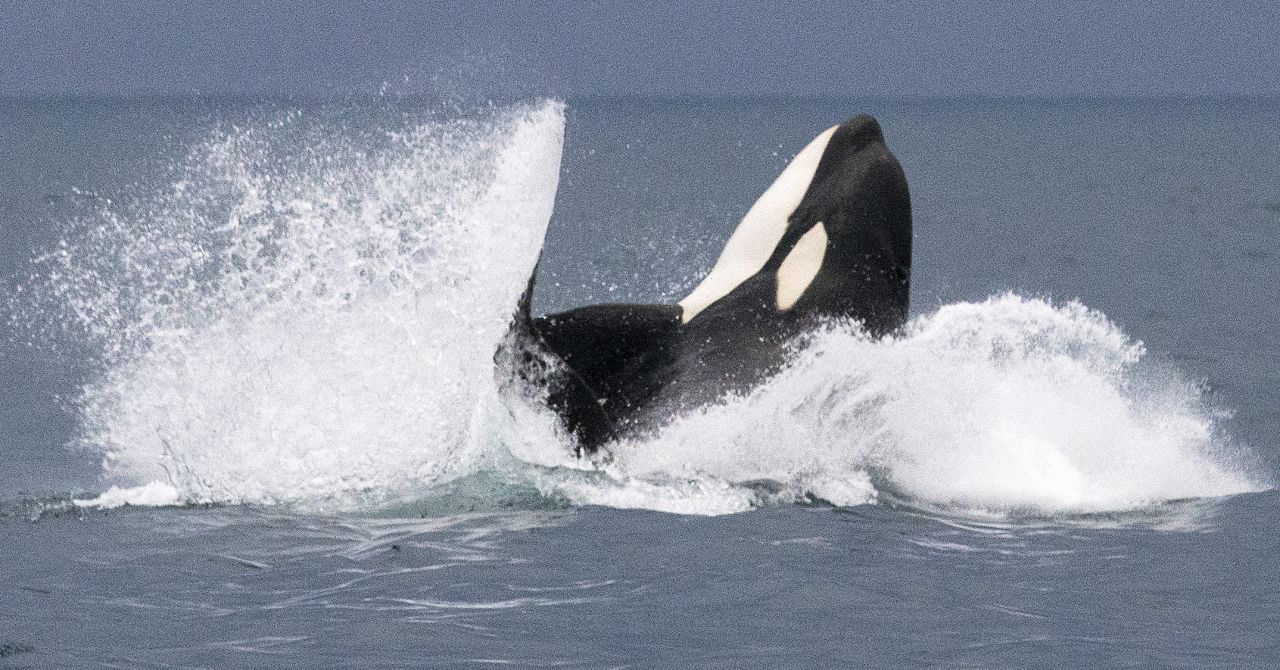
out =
column 248, row 416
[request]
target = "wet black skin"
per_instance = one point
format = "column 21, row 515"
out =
column 623, row 369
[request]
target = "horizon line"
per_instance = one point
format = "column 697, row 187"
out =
column 623, row 97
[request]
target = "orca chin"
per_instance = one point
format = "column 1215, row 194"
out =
column 830, row 239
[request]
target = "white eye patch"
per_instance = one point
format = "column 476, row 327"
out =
column 761, row 229
column 800, row 266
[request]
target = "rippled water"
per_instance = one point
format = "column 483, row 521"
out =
column 274, row 322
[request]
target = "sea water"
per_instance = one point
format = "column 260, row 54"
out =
column 249, row 416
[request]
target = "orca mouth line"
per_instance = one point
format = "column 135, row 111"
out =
column 830, row 239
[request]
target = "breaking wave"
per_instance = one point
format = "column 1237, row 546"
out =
column 314, row 324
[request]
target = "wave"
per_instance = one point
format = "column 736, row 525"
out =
column 314, row 324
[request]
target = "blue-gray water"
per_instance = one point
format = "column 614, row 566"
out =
column 234, row 302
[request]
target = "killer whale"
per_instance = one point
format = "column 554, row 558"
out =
column 829, row 239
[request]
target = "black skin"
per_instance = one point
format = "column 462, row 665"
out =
column 626, row 369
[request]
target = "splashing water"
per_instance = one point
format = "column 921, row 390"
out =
column 1011, row 405
column 317, row 326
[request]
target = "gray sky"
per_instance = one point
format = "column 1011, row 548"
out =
column 753, row 47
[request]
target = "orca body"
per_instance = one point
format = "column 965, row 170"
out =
column 830, row 239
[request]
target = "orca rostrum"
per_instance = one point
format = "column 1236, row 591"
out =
column 829, row 240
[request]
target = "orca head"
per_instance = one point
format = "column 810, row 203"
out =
column 847, row 249
column 833, row 231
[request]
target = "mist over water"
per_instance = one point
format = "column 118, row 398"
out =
column 307, row 316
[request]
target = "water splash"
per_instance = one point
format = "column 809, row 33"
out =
column 1011, row 405
column 314, row 323
column 310, row 323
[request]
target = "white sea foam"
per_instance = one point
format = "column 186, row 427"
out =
column 1008, row 405
column 151, row 494
column 317, row 326
column 313, row 325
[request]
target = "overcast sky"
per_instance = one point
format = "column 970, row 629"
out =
column 752, row 47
